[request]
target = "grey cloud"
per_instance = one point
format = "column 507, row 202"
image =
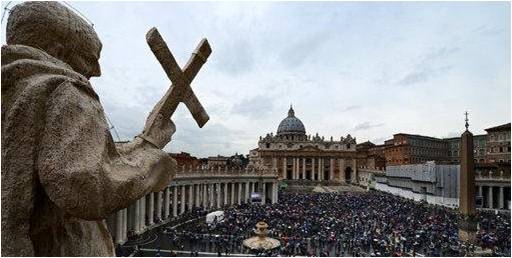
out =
column 211, row 140
column 236, row 57
column 254, row 107
column 296, row 53
column 427, row 67
column 366, row 126
column 350, row 108
column 423, row 74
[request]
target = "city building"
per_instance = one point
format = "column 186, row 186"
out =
column 439, row 183
column 185, row 159
column 479, row 147
column 498, row 144
column 293, row 155
column 430, row 182
column 370, row 155
column 413, row 149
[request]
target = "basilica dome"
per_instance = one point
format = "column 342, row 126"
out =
column 291, row 125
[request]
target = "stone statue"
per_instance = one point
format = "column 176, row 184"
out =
column 62, row 173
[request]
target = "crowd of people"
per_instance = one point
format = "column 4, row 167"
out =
column 346, row 224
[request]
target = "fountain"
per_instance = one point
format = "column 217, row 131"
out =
column 261, row 242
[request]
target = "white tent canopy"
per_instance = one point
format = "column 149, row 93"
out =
column 210, row 217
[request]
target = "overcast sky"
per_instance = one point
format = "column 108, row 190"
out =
column 368, row 69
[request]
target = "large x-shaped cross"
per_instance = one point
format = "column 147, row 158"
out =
column 180, row 90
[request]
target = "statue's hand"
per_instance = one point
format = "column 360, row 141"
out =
column 160, row 133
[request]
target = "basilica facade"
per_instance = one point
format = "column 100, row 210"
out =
column 294, row 155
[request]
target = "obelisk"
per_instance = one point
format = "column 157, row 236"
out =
column 467, row 201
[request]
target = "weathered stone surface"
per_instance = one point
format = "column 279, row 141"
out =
column 62, row 173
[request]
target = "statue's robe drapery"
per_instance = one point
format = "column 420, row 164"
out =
column 62, row 173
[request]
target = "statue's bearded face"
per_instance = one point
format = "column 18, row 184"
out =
column 55, row 29
column 86, row 62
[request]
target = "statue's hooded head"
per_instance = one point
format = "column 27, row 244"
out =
column 58, row 31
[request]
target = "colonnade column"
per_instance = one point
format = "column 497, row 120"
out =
column 319, row 172
column 159, row 205
column 198, row 195
column 225, row 193
column 182, row 202
column 175, row 201
column 218, row 193
column 167, row 203
column 232, row 200
column 125, row 225
column 143, row 213
column 191, row 196
column 247, row 193
column 238, row 193
column 480, row 192
column 137, row 217
column 331, row 169
column 119, row 227
column 205, row 194
column 151, row 208
column 489, row 197
column 500, row 198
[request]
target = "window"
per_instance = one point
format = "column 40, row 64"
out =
column 268, row 145
column 348, row 146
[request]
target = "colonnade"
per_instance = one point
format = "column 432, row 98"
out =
column 316, row 168
column 494, row 196
column 182, row 196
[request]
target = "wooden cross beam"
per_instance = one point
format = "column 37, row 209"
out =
column 180, row 90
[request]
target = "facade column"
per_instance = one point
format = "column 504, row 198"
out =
column 274, row 192
column 355, row 176
column 294, row 162
column 232, row 200
column 284, row 168
column 119, row 227
column 313, row 169
column 247, row 193
column 151, row 208
column 167, row 202
column 500, row 198
column 225, row 185
column 303, row 168
column 489, row 198
column 264, row 195
column 175, row 201
column 480, row 190
column 319, row 169
column 274, row 163
column 342, row 170
column 191, row 202
column 331, row 169
column 253, row 187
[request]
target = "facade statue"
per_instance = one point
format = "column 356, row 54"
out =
column 62, row 173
